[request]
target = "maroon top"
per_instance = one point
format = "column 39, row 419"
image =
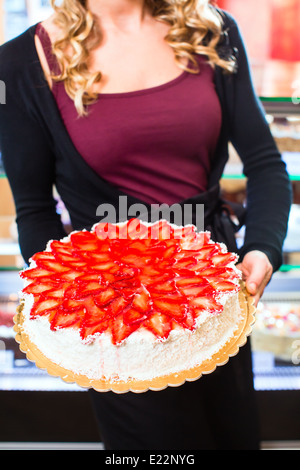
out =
column 155, row 144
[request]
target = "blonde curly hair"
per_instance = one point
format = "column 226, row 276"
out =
column 195, row 28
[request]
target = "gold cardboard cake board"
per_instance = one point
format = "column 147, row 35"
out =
column 231, row 348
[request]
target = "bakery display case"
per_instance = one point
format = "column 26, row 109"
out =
column 276, row 334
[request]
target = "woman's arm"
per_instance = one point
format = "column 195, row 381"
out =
column 30, row 167
column 268, row 187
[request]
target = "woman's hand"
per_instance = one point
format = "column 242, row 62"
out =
column 257, row 271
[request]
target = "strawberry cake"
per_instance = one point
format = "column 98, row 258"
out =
column 131, row 301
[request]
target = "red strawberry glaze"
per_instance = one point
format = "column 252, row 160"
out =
column 118, row 278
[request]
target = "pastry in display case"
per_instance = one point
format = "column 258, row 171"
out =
column 8, row 305
column 277, row 330
column 286, row 131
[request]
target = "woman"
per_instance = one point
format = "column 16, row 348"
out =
column 140, row 98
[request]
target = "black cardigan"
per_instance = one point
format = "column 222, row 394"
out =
column 38, row 153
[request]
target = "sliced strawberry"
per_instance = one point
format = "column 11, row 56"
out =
column 142, row 300
column 204, row 237
column 191, row 280
column 200, row 265
column 105, row 231
column 207, row 303
column 161, row 230
column 172, row 242
column 127, row 272
column 98, row 257
column 156, row 249
column 164, row 286
column 88, row 288
column 52, row 265
column 56, row 292
column 196, row 291
column 43, row 255
column 126, row 292
column 88, row 330
column 211, row 271
column 117, row 249
column 105, row 266
column 94, row 314
column 185, row 263
column 117, row 306
column 224, row 286
column 170, row 251
column 84, row 241
column 189, row 320
column 159, row 324
column 105, row 296
column 189, row 241
column 173, row 297
column 131, row 315
column 44, row 306
column 170, row 307
column 108, row 277
column 184, row 231
column 37, row 287
column 120, row 331
column 61, row 319
column 63, row 252
column 73, row 292
column 151, row 270
column 196, row 241
column 70, row 261
column 149, row 273
column 223, row 259
column 35, row 273
column 135, row 260
column 71, row 304
column 118, row 232
column 90, row 276
column 70, row 275
column 138, row 246
column 207, row 251
column 136, row 230
column 221, row 273
column 58, row 246
column 123, row 285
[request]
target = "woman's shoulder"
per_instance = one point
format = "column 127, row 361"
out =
column 17, row 53
column 227, row 19
column 231, row 39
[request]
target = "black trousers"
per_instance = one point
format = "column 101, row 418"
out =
column 216, row 412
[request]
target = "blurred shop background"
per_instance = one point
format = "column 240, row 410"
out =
column 36, row 409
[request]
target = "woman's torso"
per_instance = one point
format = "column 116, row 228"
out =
column 155, row 143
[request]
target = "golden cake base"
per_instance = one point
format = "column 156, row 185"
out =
column 230, row 349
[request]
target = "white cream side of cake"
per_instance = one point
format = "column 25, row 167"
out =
column 141, row 356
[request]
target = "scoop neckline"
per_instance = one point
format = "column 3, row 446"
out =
column 126, row 94
column 144, row 91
